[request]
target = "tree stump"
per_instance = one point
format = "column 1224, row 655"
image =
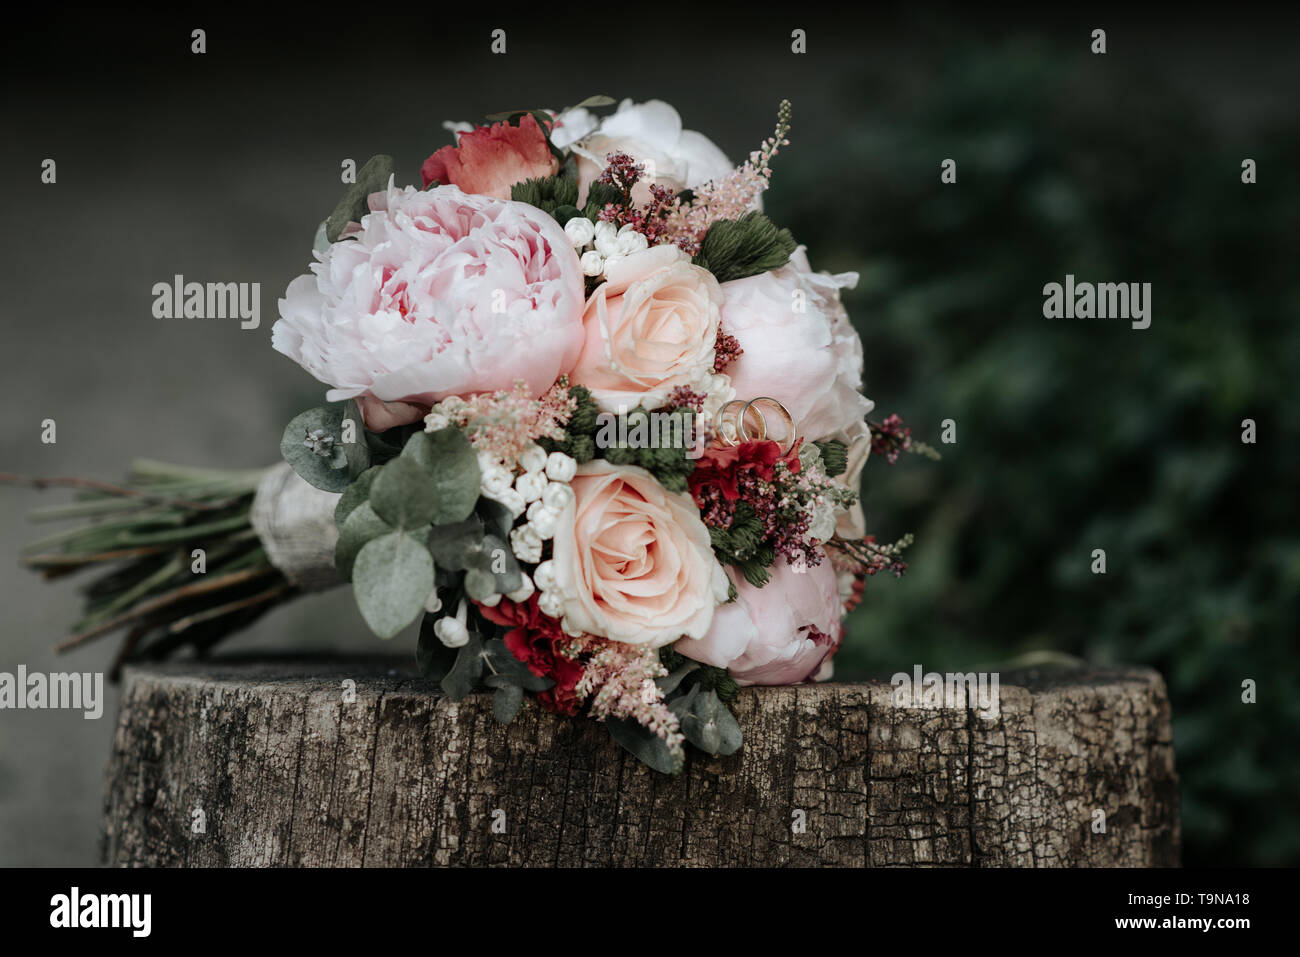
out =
column 346, row 762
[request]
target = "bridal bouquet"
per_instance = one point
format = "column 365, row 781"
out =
column 593, row 420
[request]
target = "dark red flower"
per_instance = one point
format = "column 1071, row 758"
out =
column 721, row 468
column 537, row 640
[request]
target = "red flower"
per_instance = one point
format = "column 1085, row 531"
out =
column 491, row 159
column 537, row 641
column 720, row 468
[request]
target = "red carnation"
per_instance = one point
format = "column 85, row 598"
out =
column 537, row 641
column 721, row 467
column 491, row 159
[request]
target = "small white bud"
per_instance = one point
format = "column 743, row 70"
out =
column 593, row 263
column 551, row 603
column 524, row 591
column 560, row 467
column 605, row 238
column 496, row 480
column 491, row 601
column 580, row 230
column 435, row 421
column 544, row 576
column 530, row 485
column 513, row 501
column 544, row 523
column 556, row 495
column 433, row 603
column 568, row 629
column 451, row 632
column 630, row 242
column 533, row 458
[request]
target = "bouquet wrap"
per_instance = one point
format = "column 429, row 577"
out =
column 295, row 523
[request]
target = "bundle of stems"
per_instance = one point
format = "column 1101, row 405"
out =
column 178, row 562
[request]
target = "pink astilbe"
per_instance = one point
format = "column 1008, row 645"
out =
column 503, row 424
column 619, row 682
column 728, row 198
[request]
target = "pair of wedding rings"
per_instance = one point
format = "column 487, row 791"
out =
column 748, row 423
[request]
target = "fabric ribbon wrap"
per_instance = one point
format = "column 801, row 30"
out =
column 295, row 521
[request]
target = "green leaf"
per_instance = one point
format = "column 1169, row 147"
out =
column 403, row 494
column 480, row 584
column 354, row 496
column 328, row 472
column 392, row 578
column 464, row 674
column 835, row 456
column 432, row 657
column 509, row 670
column 361, row 527
column 594, row 101
column 507, row 702
column 356, row 451
column 451, row 462
column 371, row 178
column 496, row 517
column 646, row 746
column 708, row 724
column 497, row 555
column 668, row 683
column 738, row 248
column 455, row 546
column 547, row 193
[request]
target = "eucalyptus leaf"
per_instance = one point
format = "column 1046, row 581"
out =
column 327, row 471
column 645, row 745
column 502, row 564
column 668, row 683
column 507, row 669
column 507, row 702
column 594, row 101
column 710, row 726
column 464, row 674
column 392, row 578
column 354, row 495
column 356, row 451
column 404, row 495
column 480, row 584
column 371, row 178
column 496, row 517
column 456, row 546
column 453, row 466
column 361, row 527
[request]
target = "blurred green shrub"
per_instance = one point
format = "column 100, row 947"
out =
column 1081, row 434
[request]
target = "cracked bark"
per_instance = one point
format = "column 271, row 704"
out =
column 287, row 772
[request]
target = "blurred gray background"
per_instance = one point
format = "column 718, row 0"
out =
column 219, row 167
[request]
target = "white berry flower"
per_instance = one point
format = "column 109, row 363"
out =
column 526, row 543
column 568, row 628
column 556, row 495
column 513, row 501
column 531, row 485
column 593, row 263
column 544, row 576
column 435, row 421
column 524, row 591
column 452, row 631
column 560, row 467
column 580, row 230
column 433, row 603
column 491, row 601
column 495, row 480
column 551, row 604
column 544, row 523
column 533, row 458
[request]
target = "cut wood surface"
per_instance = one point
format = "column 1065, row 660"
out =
column 347, row 762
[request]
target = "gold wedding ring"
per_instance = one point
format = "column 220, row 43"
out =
column 735, row 427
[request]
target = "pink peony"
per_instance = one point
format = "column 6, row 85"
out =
column 440, row 293
column 799, row 347
column 779, row 634
column 491, row 159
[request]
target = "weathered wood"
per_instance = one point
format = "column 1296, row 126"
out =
column 288, row 768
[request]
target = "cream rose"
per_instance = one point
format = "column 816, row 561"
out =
column 649, row 328
column 632, row 561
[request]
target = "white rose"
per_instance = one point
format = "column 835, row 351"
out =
column 652, row 133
